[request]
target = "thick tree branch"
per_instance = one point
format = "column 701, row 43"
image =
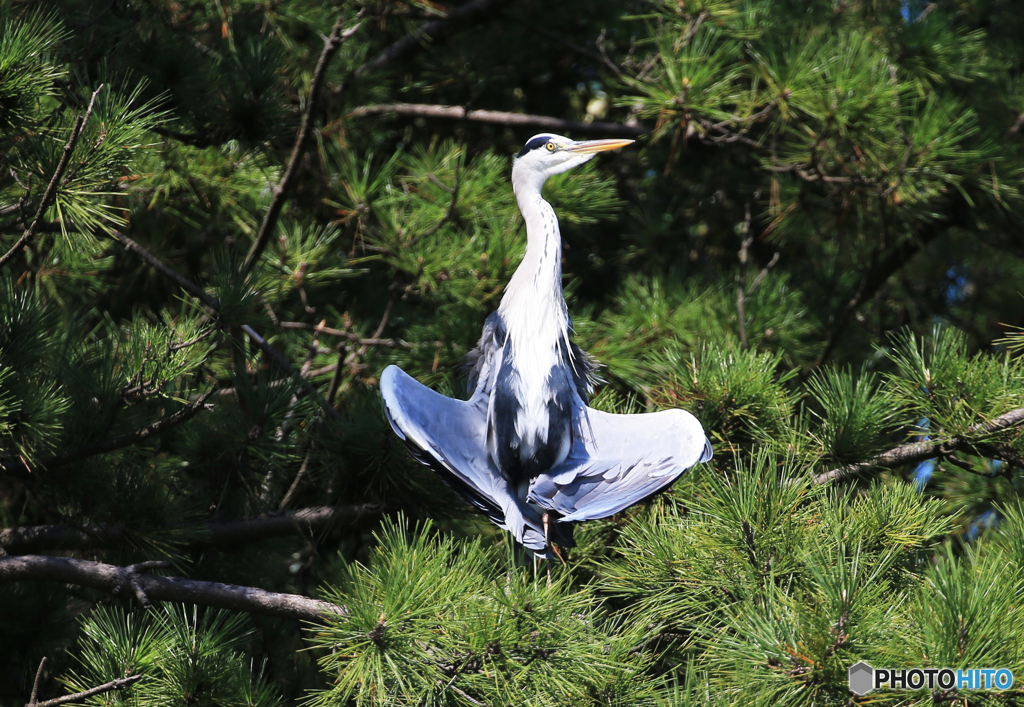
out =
column 538, row 122
column 331, row 45
column 217, row 533
column 116, row 580
column 431, row 32
column 118, row 684
column 51, row 190
column 921, row 451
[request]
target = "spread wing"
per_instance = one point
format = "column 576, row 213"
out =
column 619, row 460
column 450, row 436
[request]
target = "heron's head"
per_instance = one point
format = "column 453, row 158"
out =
column 545, row 155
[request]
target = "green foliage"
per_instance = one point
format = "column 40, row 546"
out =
column 858, row 419
column 814, row 246
column 736, row 394
column 773, row 587
column 185, row 657
column 964, row 610
column 27, row 73
column 32, row 402
column 432, row 621
column 939, row 381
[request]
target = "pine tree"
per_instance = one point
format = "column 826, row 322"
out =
column 219, row 222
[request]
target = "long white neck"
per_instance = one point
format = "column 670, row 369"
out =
column 533, row 307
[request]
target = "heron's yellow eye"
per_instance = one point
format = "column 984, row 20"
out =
column 551, row 147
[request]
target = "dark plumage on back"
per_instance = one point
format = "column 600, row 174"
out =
column 584, row 368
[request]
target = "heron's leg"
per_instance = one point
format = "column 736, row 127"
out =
column 546, row 518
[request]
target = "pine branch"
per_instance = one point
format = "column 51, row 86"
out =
column 921, row 451
column 282, row 363
column 332, row 392
column 216, row 533
column 116, row 580
column 538, row 122
column 118, row 684
column 183, row 282
column 51, row 190
column 431, row 32
column 873, row 279
column 24, row 470
column 126, row 440
column 214, row 306
column 331, row 45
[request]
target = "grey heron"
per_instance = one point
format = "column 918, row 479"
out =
column 525, row 449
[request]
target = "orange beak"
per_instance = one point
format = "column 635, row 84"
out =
column 587, row 147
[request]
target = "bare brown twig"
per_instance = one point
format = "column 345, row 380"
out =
column 351, row 336
column 118, row 684
column 55, row 181
column 741, row 276
column 37, row 682
column 331, row 45
column 1016, row 127
column 764, row 272
column 536, row 122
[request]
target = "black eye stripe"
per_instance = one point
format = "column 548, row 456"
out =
column 533, row 145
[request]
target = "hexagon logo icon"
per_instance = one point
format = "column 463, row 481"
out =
column 861, row 678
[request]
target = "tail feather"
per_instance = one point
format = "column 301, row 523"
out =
column 450, row 437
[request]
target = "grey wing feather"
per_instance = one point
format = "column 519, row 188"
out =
column 450, row 436
column 619, row 460
column 584, row 372
column 480, row 360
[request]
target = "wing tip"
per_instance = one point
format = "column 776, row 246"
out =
column 708, row 453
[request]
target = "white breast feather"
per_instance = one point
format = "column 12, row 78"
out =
column 536, row 321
